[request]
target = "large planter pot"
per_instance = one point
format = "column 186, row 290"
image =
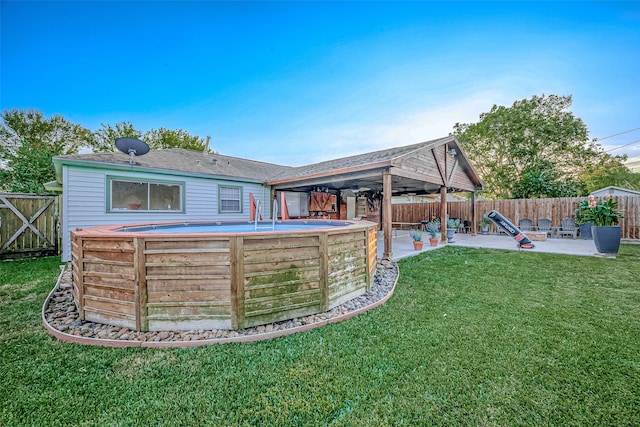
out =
column 450, row 233
column 585, row 231
column 484, row 229
column 606, row 238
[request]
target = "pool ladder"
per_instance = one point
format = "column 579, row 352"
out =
column 259, row 214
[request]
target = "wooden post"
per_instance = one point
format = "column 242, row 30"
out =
column 386, row 213
column 79, row 264
column 474, row 220
column 324, row 271
column 443, row 213
column 237, row 282
column 139, row 261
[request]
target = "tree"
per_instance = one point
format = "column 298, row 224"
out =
column 609, row 170
column 165, row 138
column 105, row 137
column 543, row 181
column 28, row 141
column 536, row 140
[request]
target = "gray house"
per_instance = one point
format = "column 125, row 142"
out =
column 187, row 185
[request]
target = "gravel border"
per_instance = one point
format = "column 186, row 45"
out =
column 60, row 318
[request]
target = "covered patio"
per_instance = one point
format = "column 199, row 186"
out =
column 433, row 167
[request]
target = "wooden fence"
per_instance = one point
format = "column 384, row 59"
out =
column 28, row 225
column 553, row 209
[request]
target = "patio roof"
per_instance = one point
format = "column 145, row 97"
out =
column 421, row 168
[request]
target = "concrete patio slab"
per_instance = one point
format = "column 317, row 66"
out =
column 402, row 245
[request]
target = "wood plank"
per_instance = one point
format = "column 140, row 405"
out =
column 125, row 295
column 190, row 284
column 188, row 271
column 109, row 282
column 184, row 311
column 202, row 243
column 279, row 276
column 268, row 269
column 116, row 306
column 292, row 310
column 190, row 296
column 110, row 318
column 263, row 243
column 109, row 245
column 280, row 255
column 280, row 289
column 262, row 318
column 187, row 251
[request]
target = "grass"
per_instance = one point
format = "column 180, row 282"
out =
column 470, row 337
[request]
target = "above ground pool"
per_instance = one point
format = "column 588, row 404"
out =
column 217, row 274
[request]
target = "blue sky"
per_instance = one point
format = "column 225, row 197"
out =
column 300, row 82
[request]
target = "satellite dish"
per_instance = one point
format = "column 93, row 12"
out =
column 133, row 147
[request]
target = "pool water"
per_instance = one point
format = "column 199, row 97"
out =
column 233, row 227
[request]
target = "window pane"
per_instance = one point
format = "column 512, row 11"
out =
column 230, row 205
column 230, row 199
column 165, row 197
column 229, row 193
column 128, row 195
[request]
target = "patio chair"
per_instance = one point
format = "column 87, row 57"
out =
column 544, row 224
column 568, row 227
column 525, row 224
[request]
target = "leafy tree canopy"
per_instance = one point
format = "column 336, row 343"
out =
column 609, row 170
column 166, row 138
column 536, row 147
column 105, row 137
column 28, row 141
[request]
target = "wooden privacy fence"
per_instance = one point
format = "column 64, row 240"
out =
column 28, row 225
column 553, row 209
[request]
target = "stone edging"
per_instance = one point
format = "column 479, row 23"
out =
column 105, row 342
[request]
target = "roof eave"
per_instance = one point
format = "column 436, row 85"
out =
column 60, row 161
column 334, row 172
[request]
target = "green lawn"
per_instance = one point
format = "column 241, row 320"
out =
column 470, row 337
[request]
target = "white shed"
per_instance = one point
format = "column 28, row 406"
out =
column 615, row 191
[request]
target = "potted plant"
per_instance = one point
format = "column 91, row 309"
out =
column 485, row 222
column 433, row 228
column 604, row 215
column 416, row 235
column 452, row 226
column 582, row 221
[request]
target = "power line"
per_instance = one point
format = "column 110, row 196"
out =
column 616, row 134
column 622, row 146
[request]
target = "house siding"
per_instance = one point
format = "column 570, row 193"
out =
column 85, row 196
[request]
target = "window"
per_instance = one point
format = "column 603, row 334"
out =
column 129, row 195
column 229, row 199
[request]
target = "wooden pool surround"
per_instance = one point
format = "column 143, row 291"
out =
column 189, row 281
